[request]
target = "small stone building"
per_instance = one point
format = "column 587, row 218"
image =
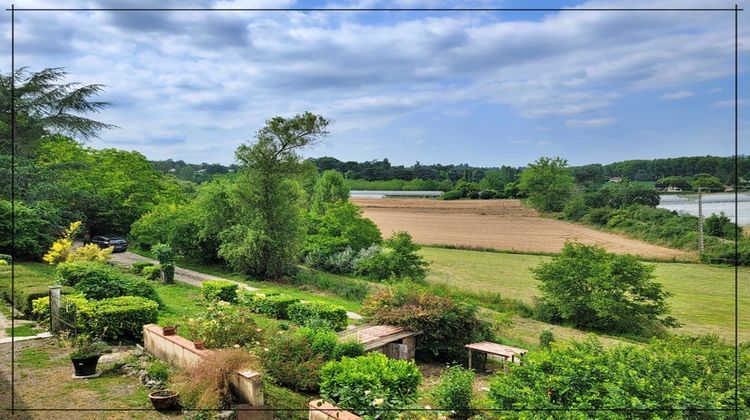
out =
column 394, row 342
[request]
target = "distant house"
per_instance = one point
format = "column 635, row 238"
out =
column 672, row 188
column 615, row 179
column 172, row 170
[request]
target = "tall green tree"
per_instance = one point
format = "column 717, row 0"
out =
column 269, row 233
column 547, row 183
column 329, row 188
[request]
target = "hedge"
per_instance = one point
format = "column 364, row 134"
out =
column 273, row 305
column 138, row 266
column 40, row 306
column 304, row 312
column 152, row 272
column 118, row 318
column 220, row 289
column 99, row 281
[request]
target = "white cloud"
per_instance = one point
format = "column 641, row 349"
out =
column 680, row 94
column 593, row 122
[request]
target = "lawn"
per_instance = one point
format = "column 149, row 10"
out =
column 703, row 294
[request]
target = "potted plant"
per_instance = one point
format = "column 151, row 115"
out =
column 169, row 330
column 164, row 399
column 86, row 355
column 199, row 344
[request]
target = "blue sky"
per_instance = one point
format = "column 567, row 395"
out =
column 487, row 89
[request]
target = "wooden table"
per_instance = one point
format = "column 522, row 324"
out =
column 506, row 352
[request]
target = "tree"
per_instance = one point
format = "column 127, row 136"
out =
column 547, row 183
column 329, row 188
column 269, row 231
column 707, row 182
column 340, row 226
column 594, row 289
column 720, row 225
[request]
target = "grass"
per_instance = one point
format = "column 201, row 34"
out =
column 29, row 282
column 703, row 294
column 182, row 301
column 23, row 330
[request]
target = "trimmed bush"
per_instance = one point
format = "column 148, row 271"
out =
column 40, row 306
column 275, row 306
column 304, row 312
column 118, row 318
column 219, row 290
column 151, row 272
column 138, row 266
column 7, row 258
column 102, row 282
column 73, row 272
column 371, row 385
column 455, row 391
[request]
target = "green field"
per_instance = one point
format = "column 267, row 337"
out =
column 703, row 295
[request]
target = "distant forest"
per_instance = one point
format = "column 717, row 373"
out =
column 382, row 170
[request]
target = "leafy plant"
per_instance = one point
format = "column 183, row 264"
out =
column 151, row 272
column 546, row 338
column 371, row 385
column 86, row 346
column 455, row 391
column 224, row 325
column 219, row 290
column 304, row 312
column 158, row 371
column 166, row 255
column 138, row 266
column 60, row 249
column 275, row 306
column 90, row 252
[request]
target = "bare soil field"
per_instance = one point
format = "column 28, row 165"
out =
column 498, row 224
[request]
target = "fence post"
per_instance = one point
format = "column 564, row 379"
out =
column 54, row 306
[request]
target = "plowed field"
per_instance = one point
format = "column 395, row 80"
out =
column 497, row 224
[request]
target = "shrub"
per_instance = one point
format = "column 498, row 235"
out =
column 151, row 272
column 98, row 281
column 90, row 252
column 224, row 325
column 40, row 306
column 167, row 273
column 60, row 249
column 488, row 194
column 595, row 289
column 371, row 385
column 446, row 326
column 304, row 312
column 546, row 338
column 138, row 266
column 275, row 306
column 455, row 391
column 207, row 386
column 473, row 195
column 142, row 288
column 118, row 318
column 71, row 273
column 453, row 195
column 400, row 260
column 7, row 258
column 219, row 290
column 31, row 282
column 158, row 371
column 166, row 255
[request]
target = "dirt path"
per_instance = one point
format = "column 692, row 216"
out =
column 498, row 224
column 182, row 275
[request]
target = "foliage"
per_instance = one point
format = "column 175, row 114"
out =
column 40, row 306
column 455, row 391
column 721, row 226
column 224, row 325
column 71, row 273
column 60, row 249
column 139, row 266
column 7, row 258
column 399, row 260
column 291, row 361
column 345, row 287
column 681, row 372
column 591, row 288
column 219, row 290
column 275, row 306
column 86, row 346
column 158, row 371
column 371, row 385
column 90, row 252
column 681, row 182
column 546, row 338
column 548, row 183
column 151, row 272
column 36, row 228
column 329, row 188
column 304, row 312
column 118, row 318
column 30, row 282
column 445, row 326
column 166, row 256
column 452, row 195
column 206, row 385
column 269, row 230
column 98, row 281
column 338, row 227
column 706, row 182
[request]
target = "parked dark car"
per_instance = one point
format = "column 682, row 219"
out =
column 120, row 244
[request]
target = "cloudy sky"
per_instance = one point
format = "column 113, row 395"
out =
column 480, row 88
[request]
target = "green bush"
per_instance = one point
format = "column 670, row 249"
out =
column 399, row 260
column 275, row 306
column 488, row 194
column 453, row 195
column 166, row 256
column 224, row 325
column 40, row 306
column 371, row 385
column 158, row 371
column 219, row 290
column 304, row 312
column 455, row 391
column 446, row 326
column 138, row 266
column 118, row 318
column 546, row 338
column 7, row 258
column 152, row 272
column 73, row 272
column 98, row 281
column 167, row 273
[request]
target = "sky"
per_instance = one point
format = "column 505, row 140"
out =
column 483, row 88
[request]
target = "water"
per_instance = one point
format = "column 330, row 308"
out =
column 383, row 194
column 712, row 204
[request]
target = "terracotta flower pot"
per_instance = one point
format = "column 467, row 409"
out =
column 164, row 399
column 199, row 345
column 170, row 330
